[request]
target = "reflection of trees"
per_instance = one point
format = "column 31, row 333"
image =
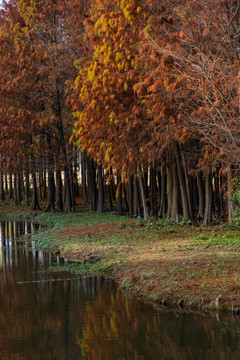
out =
column 119, row 328
column 49, row 320
column 33, row 316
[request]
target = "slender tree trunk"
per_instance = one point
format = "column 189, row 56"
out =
column 10, row 187
column 35, row 203
column 73, row 186
column 125, row 197
column 100, row 207
column 91, row 174
column 2, row 194
column 153, row 186
column 51, row 182
column 110, row 197
column 217, row 192
column 16, row 199
column 44, row 181
column 145, row 182
column 84, row 176
column 59, row 190
column 136, row 204
column 175, row 201
column 119, row 198
column 19, row 186
column 75, row 172
column 67, row 189
column 27, row 187
column 143, row 195
column 162, row 191
column 112, row 186
column 6, row 180
column 170, row 188
column 130, row 194
column 208, row 199
column 229, row 197
column 222, row 207
column 40, row 176
column 201, row 196
column 182, row 183
column 194, row 193
column 186, row 181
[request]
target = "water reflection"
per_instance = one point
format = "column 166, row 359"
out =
column 57, row 316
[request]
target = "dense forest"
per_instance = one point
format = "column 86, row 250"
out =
column 137, row 99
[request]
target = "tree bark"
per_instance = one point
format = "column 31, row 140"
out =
column 201, row 196
column 162, row 191
column 175, row 193
column 229, row 197
column 16, row 198
column 143, row 195
column 182, row 182
column 130, row 194
column 119, row 198
column 35, row 203
column 27, row 187
column 100, row 206
column 59, row 189
column 153, row 186
column 10, row 187
column 208, row 199
column 136, row 204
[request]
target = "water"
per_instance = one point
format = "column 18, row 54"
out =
column 58, row 316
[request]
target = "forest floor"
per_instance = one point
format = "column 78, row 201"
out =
column 161, row 262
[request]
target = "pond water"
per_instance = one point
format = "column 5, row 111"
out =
column 54, row 315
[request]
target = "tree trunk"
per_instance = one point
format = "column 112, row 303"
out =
column 44, row 182
column 16, row 199
column 75, row 172
column 35, row 203
column 67, row 189
column 6, row 181
column 91, row 174
column 59, row 190
column 27, row 188
column 182, row 183
column 19, row 186
column 217, row 192
column 125, row 196
column 201, row 196
column 162, row 191
column 175, row 193
column 112, row 186
column 110, row 197
column 229, row 197
column 170, row 189
column 100, row 207
column 51, row 187
column 136, row 204
column 186, row 182
column 84, row 176
column 153, row 186
column 10, row 187
column 73, row 186
column 119, row 198
column 143, row 195
column 130, row 194
column 208, row 199
column 2, row 194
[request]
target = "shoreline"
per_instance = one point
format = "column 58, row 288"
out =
column 159, row 262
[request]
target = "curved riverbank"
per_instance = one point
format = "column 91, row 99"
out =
column 160, row 262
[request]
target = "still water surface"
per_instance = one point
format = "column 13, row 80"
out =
column 54, row 315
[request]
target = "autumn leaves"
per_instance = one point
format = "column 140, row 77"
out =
column 145, row 84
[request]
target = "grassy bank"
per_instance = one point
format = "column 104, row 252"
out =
column 158, row 261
